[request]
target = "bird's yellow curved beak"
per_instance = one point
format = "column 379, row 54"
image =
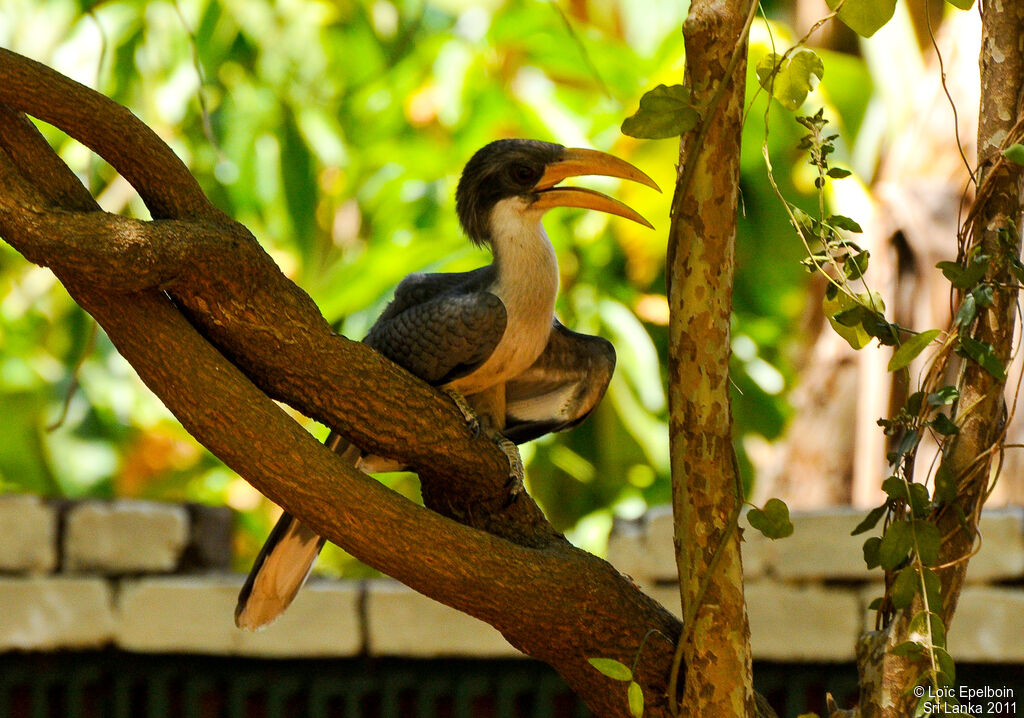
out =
column 577, row 162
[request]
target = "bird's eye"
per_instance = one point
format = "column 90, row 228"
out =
column 524, row 174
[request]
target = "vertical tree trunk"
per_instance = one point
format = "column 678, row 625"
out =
column 700, row 278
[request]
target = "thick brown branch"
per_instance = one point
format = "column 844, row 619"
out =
column 165, row 184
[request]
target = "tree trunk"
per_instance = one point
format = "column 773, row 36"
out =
column 705, row 481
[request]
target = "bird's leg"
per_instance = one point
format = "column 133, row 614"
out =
column 490, row 407
column 472, row 422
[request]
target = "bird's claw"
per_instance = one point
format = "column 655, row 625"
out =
column 472, row 422
column 516, row 472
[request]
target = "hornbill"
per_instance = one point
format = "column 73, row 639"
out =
column 489, row 336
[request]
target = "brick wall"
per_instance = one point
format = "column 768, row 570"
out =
column 153, row 578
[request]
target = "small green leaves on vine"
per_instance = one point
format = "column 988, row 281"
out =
column 773, row 520
column 858, row 318
column 965, row 277
column 789, row 78
column 864, row 17
column 909, row 349
column 665, row 111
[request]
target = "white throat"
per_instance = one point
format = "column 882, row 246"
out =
column 527, row 267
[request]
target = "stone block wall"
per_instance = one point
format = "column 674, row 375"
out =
column 154, row 578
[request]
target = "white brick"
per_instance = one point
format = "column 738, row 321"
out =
column 821, row 547
column 401, row 622
column 627, row 551
column 28, row 534
column 48, row 613
column 660, row 549
column 124, row 536
column 1002, row 547
column 988, row 626
column 196, row 614
column 791, row 624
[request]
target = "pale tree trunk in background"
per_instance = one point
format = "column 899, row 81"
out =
column 700, row 274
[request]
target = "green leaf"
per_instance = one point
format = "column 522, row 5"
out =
column 871, row 551
column 919, row 625
column 945, row 484
column 919, row 501
column 1015, row 152
column 870, row 521
column 896, row 544
column 773, row 520
column 983, row 294
column 838, row 173
column 864, row 17
column 789, row 80
column 635, row 694
column 984, row 355
column 962, row 5
column 944, row 396
column 932, row 588
column 903, row 588
column 876, row 603
column 616, row 670
column 841, row 222
column 946, row 665
column 929, row 541
column 965, row 277
column 665, row 111
column 909, row 349
column 944, row 425
column 856, row 264
column 851, row 314
column 914, row 402
column 967, row 312
column 894, row 488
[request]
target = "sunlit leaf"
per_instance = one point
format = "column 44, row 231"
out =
column 612, row 668
column 864, row 17
column 665, row 111
column 635, row 694
column 790, row 79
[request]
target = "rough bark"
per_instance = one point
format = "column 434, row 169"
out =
column 217, row 332
column 993, row 225
column 700, row 279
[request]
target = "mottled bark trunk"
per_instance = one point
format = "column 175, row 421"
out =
column 700, row 279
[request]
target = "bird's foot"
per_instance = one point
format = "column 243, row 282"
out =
column 516, row 472
column 472, row 422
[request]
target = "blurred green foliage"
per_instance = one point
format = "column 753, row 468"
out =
column 335, row 130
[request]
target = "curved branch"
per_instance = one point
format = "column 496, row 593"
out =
column 109, row 129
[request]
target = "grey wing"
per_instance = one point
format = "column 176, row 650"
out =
column 443, row 338
column 422, row 287
column 561, row 388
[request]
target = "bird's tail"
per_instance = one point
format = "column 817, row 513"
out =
column 284, row 562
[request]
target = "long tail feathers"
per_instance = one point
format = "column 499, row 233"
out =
column 283, row 564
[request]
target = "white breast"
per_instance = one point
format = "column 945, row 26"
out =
column 527, row 285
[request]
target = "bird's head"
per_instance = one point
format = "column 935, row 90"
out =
column 529, row 171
